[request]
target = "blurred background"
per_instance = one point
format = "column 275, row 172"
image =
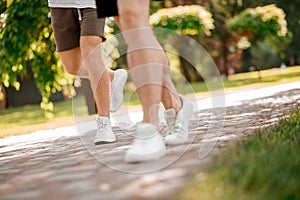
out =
column 251, row 42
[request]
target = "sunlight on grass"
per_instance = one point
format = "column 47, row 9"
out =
column 265, row 166
column 31, row 118
column 250, row 79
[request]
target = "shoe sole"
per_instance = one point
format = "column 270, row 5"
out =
column 170, row 143
column 122, row 81
column 136, row 158
column 104, row 142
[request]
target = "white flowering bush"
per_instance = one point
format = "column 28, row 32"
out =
column 259, row 23
column 189, row 20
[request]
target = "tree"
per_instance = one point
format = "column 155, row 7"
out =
column 192, row 20
column 258, row 24
column 27, row 40
column 226, row 55
column 189, row 20
column 291, row 52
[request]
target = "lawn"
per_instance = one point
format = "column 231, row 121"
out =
column 265, row 166
column 30, row 118
column 251, row 79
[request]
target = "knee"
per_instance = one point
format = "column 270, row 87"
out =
column 71, row 66
column 130, row 14
column 85, row 46
column 88, row 44
column 71, row 70
column 128, row 11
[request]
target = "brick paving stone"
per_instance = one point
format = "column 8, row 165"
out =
column 70, row 176
column 32, row 194
column 65, row 165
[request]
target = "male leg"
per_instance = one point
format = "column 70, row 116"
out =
column 144, row 48
column 81, row 56
column 146, row 61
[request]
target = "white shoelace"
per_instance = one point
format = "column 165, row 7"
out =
column 102, row 124
column 171, row 121
column 178, row 128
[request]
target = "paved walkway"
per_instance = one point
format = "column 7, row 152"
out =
column 64, row 164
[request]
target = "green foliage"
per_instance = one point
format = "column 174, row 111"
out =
column 189, row 20
column 259, row 23
column 262, row 25
column 293, row 19
column 192, row 20
column 263, row 51
column 27, row 40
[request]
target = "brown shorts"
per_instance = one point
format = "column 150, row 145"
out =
column 70, row 23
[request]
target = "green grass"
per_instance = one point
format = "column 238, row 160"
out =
column 251, row 79
column 265, row 166
column 29, row 118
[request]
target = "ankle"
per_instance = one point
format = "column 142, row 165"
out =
column 111, row 75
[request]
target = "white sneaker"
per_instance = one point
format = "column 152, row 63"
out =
column 148, row 144
column 104, row 133
column 178, row 125
column 117, row 87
